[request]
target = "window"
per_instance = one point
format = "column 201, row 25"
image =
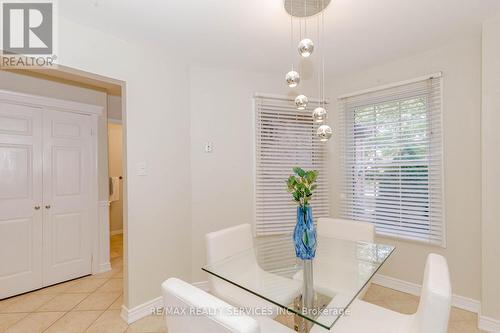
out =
column 285, row 138
column 392, row 160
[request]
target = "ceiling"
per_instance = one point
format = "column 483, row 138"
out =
column 255, row 34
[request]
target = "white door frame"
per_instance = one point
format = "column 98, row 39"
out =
column 100, row 244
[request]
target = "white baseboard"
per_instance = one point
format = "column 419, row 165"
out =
column 203, row 285
column 149, row 307
column 141, row 311
column 466, row 303
column 116, row 232
column 103, row 268
column 489, row 324
column 458, row 301
column 397, row 284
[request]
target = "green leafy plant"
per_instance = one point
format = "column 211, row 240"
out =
column 302, row 185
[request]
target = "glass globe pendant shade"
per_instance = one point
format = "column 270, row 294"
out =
column 324, row 133
column 292, row 79
column 306, row 47
column 301, row 102
column 319, row 115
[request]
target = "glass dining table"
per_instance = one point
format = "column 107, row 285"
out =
column 314, row 292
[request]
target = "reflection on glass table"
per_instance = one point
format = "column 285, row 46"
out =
column 339, row 272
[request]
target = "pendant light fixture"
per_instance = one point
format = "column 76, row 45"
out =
column 306, row 47
column 324, row 133
column 304, row 9
column 301, row 102
column 319, row 114
column 292, row 77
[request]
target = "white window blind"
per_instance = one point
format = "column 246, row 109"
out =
column 392, row 160
column 285, row 138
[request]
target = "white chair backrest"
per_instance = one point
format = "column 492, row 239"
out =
column 346, row 229
column 191, row 310
column 435, row 299
column 228, row 242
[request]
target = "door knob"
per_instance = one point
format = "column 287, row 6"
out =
column 47, row 207
column 37, row 207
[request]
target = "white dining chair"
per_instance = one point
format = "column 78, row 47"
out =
column 192, row 310
column 346, row 229
column 237, row 240
column 431, row 317
column 342, row 229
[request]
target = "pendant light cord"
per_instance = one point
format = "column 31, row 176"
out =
column 305, row 18
column 323, row 52
column 291, row 33
column 300, row 28
column 320, row 46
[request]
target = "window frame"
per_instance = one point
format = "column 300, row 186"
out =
column 435, row 149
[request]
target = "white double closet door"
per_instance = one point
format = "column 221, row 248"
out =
column 45, row 170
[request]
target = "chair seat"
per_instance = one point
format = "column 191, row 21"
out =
column 366, row 317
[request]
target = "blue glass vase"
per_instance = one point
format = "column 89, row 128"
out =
column 304, row 235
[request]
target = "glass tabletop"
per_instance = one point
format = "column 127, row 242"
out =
column 338, row 273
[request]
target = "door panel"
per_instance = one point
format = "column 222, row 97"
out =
column 17, row 235
column 14, row 120
column 67, row 229
column 66, row 193
column 15, row 174
column 20, row 193
column 67, row 164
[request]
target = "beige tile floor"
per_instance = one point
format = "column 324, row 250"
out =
column 92, row 305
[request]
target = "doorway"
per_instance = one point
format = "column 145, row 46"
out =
column 116, row 182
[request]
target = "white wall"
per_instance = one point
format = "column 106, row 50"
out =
column 460, row 62
column 156, row 122
column 491, row 167
column 221, row 103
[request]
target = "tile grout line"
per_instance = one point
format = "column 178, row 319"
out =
column 34, row 310
column 105, row 309
column 104, row 313
column 113, row 302
column 26, row 315
column 66, row 312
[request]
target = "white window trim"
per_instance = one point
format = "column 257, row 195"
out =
column 392, row 85
column 435, row 75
